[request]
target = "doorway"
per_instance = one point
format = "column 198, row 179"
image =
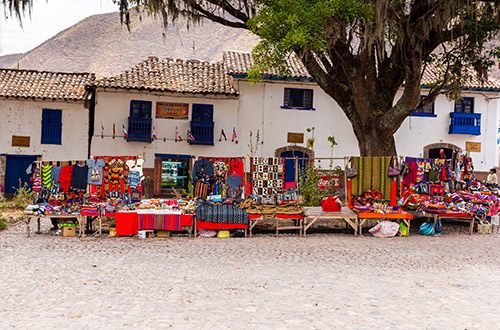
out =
column 295, row 162
column 15, row 172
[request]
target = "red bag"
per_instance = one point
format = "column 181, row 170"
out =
column 331, row 204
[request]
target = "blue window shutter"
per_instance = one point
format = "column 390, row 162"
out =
column 51, row 126
column 202, row 124
column 308, row 98
column 286, row 98
column 140, row 109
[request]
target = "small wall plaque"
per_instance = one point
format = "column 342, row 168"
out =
column 295, row 137
column 20, row 141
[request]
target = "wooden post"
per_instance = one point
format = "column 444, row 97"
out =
column 345, row 179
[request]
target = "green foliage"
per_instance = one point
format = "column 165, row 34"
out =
column 3, row 222
column 285, row 26
column 22, row 198
column 308, row 185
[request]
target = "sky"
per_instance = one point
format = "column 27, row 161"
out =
column 48, row 18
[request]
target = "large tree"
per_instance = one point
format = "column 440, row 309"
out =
column 359, row 52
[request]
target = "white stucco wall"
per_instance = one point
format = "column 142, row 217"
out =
column 24, row 118
column 417, row 132
column 114, row 107
column 259, row 108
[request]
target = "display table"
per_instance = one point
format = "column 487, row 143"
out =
column 28, row 218
column 403, row 216
column 316, row 213
column 298, row 219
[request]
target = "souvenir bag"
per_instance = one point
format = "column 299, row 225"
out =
column 438, row 228
column 403, row 169
column 136, row 195
column 351, row 172
column 331, row 204
column 201, row 189
column 289, row 196
column 393, row 171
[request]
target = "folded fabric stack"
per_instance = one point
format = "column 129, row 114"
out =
column 89, row 210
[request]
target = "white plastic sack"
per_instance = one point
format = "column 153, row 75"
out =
column 385, row 229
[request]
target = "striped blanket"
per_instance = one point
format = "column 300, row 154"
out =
column 173, row 222
column 372, row 174
column 221, row 213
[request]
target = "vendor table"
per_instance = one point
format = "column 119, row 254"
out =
column 316, row 213
column 454, row 216
column 129, row 222
column 403, row 216
column 28, row 218
column 298, row 222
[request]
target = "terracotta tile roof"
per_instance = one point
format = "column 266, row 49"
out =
column 166, row 74
column 238, row 63
column 433, row 73
column 31, row 84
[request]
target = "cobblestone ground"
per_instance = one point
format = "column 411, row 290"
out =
column 318, row 282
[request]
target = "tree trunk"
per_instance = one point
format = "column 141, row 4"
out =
column 374, row 143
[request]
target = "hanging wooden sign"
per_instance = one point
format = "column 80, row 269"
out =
column 172, row 110
column 20, row 141
column 295, row 137
column 473, row 146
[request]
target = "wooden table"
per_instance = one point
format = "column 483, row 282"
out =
column 316, row 213
column 28, row 218
column 298, row 219
column 403, row 216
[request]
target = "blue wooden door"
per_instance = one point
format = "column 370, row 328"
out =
column 15, row 172
column 290, row 164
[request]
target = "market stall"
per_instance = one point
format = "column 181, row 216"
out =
column 345, row 215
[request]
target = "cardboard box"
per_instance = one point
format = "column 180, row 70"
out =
column 484, row 228
column 162, row 233
column 69, row 231
column 145, row 233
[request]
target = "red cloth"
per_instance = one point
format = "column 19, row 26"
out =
column 65, row 177
column 289, row 216
column 394, row 197
column 351, row 204
column 236, row 167
column 200, row 224
column 411, row 177
column 126, row 223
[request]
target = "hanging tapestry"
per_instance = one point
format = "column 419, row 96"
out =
column 267, row 176
column 372, row 174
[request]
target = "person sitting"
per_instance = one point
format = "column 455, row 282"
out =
column 492, row 177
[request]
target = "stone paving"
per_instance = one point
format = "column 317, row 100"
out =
column 323, row 281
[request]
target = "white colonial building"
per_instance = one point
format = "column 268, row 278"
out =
column 159, row 100
column 44, row 115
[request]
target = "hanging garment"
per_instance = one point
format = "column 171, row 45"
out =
column 65, row 177
column 95, row 173
column 54, row 175
column 202, row 167
column 47, row 175
column 420, row 172
column 236, row 167
column 411, row 177
column 134, row 179
column 136, row 165
column 234, row 186
column 79, row 177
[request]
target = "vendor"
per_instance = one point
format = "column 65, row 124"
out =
column 492, row 177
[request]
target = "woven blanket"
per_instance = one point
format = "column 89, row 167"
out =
column 372, row 174
column 173, row 222
column 221, row 213
column 267, row 176
column 270, row 211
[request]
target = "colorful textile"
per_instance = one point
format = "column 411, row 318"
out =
column 267, row 176
column 47, row 175
column 372, row 174
column 200, row 224
column 201, row 189
column 220, row 169
column 134, row 179
column 95, row 173
column 173, row 222
column 237, row 167
column 220, row 213
column 89, row 210
column 420, row 172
